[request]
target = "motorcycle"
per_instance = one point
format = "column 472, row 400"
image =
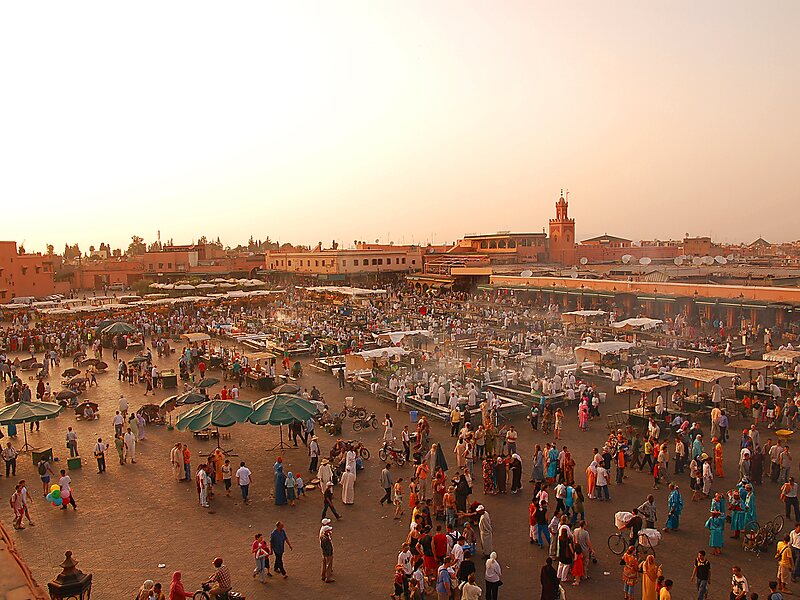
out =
column 356, row 446
column 390, row 452
column 203, row 594
column 356, row 412
column 364, row 422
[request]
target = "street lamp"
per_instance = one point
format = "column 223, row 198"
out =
column 71, row 583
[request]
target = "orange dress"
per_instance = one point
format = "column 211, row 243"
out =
column 718, row 460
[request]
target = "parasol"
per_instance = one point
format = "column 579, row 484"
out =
column 137, row 359
column 28, row 412
column 101, row 365
column 89, row 362
column 66, row 394
column 71, row 372
column 77, row 380
column 281, row 409
column 119, row 328
column 191, row 397
column 286, row 388
column 214, row 413
column 208, row 382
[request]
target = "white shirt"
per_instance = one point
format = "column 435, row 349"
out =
column 64, row 483
column 404, row 559
column 118, row 420
column 243, row 476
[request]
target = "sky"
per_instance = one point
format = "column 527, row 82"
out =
column 404, row 120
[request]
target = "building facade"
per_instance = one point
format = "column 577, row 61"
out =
column 25, row 275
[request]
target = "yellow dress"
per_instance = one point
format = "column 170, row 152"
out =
column 649, row 581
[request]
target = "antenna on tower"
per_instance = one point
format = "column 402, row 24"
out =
column 567, row 196
column 159, row 237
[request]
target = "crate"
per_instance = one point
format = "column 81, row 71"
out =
column 74, row 463
column 37, row 455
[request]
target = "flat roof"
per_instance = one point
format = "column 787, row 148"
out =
column 472, row 236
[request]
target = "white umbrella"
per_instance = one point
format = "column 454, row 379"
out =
column 184, row 286
column 205, row 286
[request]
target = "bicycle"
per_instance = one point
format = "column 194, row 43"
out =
column 759, row 538
column 618, row 543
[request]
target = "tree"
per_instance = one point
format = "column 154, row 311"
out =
column 117, row 252
column 51, row 249
column 137, row 246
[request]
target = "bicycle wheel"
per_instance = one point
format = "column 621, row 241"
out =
column 617, row 544
column 645, row 548
column 777, row 524
column 364, row 453
column 751, row 527
column 360, row 413
column 374, row 423
column 382, row 455
column 200, row 595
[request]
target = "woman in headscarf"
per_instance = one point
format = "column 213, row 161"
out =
column 500, row 475
column 492, row 576
column 146, row 590
column 549, row 580
column 515, row 468
column 591, row 480
column 630, row 572
column 488, row 475
column 718, row 470
column 291, row 488
column 716, row 531
column 280, row 484
column 552, row 463
column 538, row 464
column 176, row 590
column 674, row 508
column 348, row 486
column 650, row 572
column 569, row 468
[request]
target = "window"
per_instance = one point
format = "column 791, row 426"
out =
column 374, row 261
column 169, row 265
column 290, row 263
column 344, row 263
column 484, row 244
column 413, row 262
column 388, row 261
column 501, row 244
column 181, row 267
column 512, row 244
column 160, row 266
column 492, row 245
column 150, row 267
column 316, row 263
column 404, row 260
column 355, row 262
column 380, row 261
column 38, row 269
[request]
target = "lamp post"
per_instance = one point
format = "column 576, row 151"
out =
column 71, row 583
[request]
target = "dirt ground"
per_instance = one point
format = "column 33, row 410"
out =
column 135, row 517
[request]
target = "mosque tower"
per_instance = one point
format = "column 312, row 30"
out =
column 562, row 234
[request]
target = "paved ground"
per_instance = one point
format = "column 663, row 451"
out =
column 135, row 517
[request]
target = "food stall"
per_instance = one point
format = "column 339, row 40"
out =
column 785, row 376
column 749, row 388
column 594, row 356
column 701, row 399
column 258, row 372
column 640, row 415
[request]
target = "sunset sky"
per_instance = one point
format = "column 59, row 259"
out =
column 410, row 121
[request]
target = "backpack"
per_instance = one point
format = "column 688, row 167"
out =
column 42, row 467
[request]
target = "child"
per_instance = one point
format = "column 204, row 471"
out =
column 399, row 578
column 577, row 565
column 227, row 475
column 301, row 491
column 291, row 488
column 397, row 499
column 656, row 474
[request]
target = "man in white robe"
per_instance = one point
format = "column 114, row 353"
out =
column 485, row 529
column 348, row 486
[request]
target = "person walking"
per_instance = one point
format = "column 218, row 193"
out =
column 701, row 574
column 492, row 577
column 130, row 446
column 326, row 545
column 243, row 478
column 260, row 550
column 313, row 452
column 176, row 460
column 327, row 502
column 739, row 586
column 45, row 471
column 100, row 449
column 187, row 463
column 9, row 455
column 65, row 483
column 278, row 540
column 785, row 564
column 386, row 483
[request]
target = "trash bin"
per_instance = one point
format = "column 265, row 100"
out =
column 414, row 414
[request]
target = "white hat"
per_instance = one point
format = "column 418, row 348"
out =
column 327, row 528
column 480, row 508
column 326, row 521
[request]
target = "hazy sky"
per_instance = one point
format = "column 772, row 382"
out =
column 307, row 121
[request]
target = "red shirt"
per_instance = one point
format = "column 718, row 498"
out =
column 439, row 545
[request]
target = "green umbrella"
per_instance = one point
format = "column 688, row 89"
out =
column 28, row 412
column 208, row 382
column 214, row 413
column 281, row 409
column 119, row 328
column 191, row 397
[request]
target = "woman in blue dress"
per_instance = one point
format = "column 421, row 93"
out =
column 749, row 502
column 738, row 514
column 674, row 508
column 552, row 463
column 280, row 485
column 716, row 527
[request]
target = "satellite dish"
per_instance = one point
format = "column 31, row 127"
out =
column 626, row 259
column 584, row 260
column 645, row 260
column 729, row 257
column 697, row 261
column 720, row 260
column 724, row 260
column 678, row 260
column 574, row 274
column 526, row 273
column 708, row 260
column 574, row 268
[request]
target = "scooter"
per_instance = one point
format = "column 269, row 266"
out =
column 364, row 422
column 390, row 452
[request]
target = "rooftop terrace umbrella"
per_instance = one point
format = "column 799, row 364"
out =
column 119, row 328
column 28, row 412
column 281, row 409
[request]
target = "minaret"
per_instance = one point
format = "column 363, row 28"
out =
column 562, row 234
